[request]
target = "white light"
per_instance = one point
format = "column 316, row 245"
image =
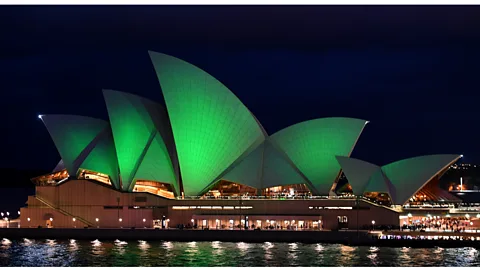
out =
column 478, row 215
column 144, row 220
column 120, row 219
column 96, row 219
column 28, row 219
column 2, row 214
column 18, row 212
column 192, row 220
column 8, row 214
column 51, row 219
column 467, row 216
column 74, row 219
column 461, row 156
column 40, row 116
column 168, row 220
column 373, row 222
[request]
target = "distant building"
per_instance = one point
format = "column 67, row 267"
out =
column 206, row 161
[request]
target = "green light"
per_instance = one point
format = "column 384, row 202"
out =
column 103, row 158
column 71, row 135
column 211, row 127
column 135, row 137
column 313, row 145
column 156, row 165
column 249, row 170
column 278, row 170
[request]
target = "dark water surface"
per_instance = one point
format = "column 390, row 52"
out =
column 141, row 253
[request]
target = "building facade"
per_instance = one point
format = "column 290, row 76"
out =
column 204, row 160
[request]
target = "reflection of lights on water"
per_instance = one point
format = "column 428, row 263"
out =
column 120, row 243
column 96, row 243
column 405, row 249
column 27, row 242
column 5, row 241
column 438, row 250
column 243, row 246
column 319, row 248
column 373, row 256
column 97, row 248
column 216, row 244
column 268, row 254
column 143, row 245
column 73, row 245
column 293, row 247
column 268, row 245
column 217, row 248
column 346, row 249
column 472, row 253
column 192, row 249
column 168, row 245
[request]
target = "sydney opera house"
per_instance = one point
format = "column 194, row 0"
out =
column 205, row 161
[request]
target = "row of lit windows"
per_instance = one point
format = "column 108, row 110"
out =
column 211, row 207
column 331, row 207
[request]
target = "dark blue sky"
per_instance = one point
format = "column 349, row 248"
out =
column 412, row 71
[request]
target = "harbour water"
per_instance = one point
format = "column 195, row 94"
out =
column 29, row 252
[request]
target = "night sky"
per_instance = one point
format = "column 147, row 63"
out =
column 413, row 72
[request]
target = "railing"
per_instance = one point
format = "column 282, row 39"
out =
column 465, row 210
column 63, row 211
column 265, row 197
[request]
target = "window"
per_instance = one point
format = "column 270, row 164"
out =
column 342, row 219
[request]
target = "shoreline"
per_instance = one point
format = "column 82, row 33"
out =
column 351, row 238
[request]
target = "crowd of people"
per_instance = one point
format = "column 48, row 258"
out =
column 438, row 224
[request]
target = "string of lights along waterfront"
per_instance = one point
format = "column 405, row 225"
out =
column 29, row 252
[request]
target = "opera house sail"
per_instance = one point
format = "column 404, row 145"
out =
column 203, row 159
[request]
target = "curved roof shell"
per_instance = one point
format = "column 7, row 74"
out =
column 141, row 150
column 83, row 141
column 408, row 176
column 211, row 126
column 358, row 170
column 313, row 145
column 401, row 179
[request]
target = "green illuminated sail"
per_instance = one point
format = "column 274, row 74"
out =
column 156, row 165
column 278, row 170
column 74, row 137
column 313, row 145
column 135, row 137
column 103, row 158
column 249, row 170
column 211, row 126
